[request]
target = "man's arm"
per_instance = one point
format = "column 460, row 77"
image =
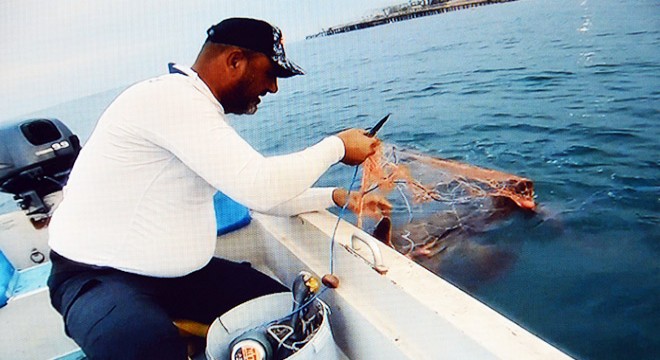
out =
column 186, row 124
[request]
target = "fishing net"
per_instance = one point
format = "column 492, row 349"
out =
column 439, row 206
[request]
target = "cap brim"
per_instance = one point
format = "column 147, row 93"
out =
column 287, row 68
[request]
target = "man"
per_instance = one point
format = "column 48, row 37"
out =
column 133, row 239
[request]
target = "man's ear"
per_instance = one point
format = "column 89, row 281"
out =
column 236, row 62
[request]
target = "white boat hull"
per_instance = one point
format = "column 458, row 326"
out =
column 405, row 313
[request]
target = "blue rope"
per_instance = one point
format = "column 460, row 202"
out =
column 332, row 248
column 332, row 260
column 339, row 217
column 332, row 252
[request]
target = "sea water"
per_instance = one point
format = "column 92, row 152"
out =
column 563, row 92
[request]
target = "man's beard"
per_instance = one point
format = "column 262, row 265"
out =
column 236, row 102
column 237, row 105
column 251, row 108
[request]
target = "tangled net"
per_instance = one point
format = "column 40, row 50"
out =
column 432, row 179
column 438, row 204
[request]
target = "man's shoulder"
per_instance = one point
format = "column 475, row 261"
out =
column 167, row 96
column 172, row 84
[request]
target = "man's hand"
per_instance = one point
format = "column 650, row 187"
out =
column 374, row 205
column 358, row 145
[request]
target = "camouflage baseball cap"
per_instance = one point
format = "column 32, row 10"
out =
column 255, row 35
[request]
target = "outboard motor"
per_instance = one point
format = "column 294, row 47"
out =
column 36, row 157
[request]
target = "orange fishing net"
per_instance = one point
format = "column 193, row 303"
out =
column 428, row 179
column 438, row 207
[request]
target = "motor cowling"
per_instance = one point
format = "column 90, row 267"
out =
column 36, row 157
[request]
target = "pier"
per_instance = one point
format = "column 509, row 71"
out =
column 423, row 8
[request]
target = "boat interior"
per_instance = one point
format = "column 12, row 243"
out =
column 385, row 304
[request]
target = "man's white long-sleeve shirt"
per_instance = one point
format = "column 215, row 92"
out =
column 139, row 197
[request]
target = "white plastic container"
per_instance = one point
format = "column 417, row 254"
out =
column 260, row 311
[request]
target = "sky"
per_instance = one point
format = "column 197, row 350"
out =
column 59, row 50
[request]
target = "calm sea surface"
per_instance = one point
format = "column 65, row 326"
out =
column 564, row 92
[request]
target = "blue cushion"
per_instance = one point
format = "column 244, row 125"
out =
column 32, row 278
column 7, row 272
column 73, row 355
column 229, row 214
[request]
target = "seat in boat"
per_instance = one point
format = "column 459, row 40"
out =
column 14, row 283
column 229, row 214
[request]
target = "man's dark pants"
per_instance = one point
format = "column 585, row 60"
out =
column 112, row 314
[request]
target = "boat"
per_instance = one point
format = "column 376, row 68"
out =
column 385, row 307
